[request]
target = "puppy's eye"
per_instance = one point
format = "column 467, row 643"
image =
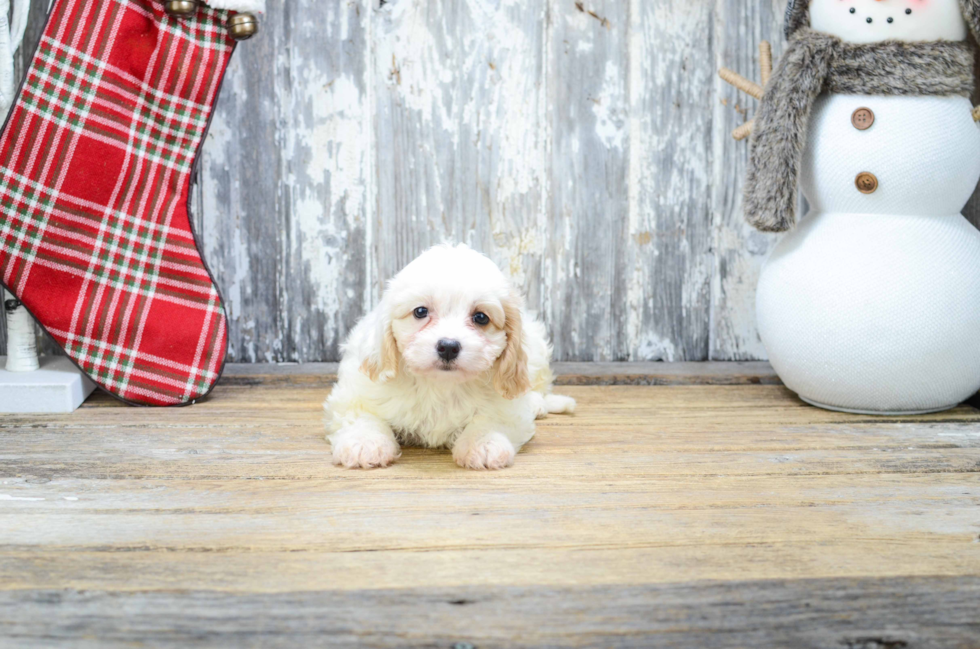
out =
column 481, row 319
column 421, row 313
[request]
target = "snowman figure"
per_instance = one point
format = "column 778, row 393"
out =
column 871, row 303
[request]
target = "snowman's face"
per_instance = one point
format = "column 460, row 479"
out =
column 872, row 21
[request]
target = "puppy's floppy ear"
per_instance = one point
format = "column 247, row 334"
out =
column 510, row 376
column 381, row 364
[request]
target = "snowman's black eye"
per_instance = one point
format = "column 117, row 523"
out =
column 908, row 12
column 481, row 319
column 421, row 313
column 853, row 10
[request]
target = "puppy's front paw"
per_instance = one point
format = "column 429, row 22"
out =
column 490, row 452
column 364, row 450
column 558, row 404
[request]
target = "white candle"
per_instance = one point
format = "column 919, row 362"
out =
column 21, row 343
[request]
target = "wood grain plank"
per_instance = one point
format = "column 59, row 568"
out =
column 332, row 516
column 239, row 213
column 921, row 613
column 739, row 249
column 669, row 251
column 150, row 567
column 286, row 195
column 752, row 373
column 646, row 494
column 238, row 463
column 643, row 373
column 326, row 137
column 587, row 270
column 712, row 404
column 666, row 476
column 461, row 152
column 502, row 155
column 649, row 491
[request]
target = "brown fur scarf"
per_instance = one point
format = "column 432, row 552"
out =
column 814, row 63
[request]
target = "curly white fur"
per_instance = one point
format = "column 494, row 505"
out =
column 395, row 388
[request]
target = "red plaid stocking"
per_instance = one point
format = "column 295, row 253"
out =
column 95, row 169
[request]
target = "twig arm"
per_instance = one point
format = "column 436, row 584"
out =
column 765, row 61
column 740, row 82
column 744, row 131
column 755, row 90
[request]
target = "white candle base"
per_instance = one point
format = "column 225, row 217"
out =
column 57, row 388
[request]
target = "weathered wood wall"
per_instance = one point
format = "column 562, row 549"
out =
column 583, row 144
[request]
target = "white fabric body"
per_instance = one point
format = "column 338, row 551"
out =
column 254, row 6
column 925, row 152
column 934, row 20
column 873, row 303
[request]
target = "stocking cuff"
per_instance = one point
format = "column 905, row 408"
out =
column 254, row 6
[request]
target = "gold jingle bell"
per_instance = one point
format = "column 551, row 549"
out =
column 243, row 26
column 181, row 8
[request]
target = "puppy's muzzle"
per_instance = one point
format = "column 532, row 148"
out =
column 448, row 350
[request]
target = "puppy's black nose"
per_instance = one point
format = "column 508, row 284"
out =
column 448, row 349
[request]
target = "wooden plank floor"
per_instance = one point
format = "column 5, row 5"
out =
column 673, row 515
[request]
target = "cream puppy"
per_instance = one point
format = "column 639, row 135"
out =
column 448, row 359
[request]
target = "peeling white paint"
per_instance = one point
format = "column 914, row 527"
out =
column 587, row 154
column 737, row 289
column 652, row 348
column 609, row 108
column 8, row 497
column 327, row 144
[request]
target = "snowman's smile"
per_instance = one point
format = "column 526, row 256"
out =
column 870, row 19
column 873, row 21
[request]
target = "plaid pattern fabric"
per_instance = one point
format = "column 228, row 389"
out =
column 95, row 170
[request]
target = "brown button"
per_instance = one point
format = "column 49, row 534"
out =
column 866, row 182
column 863, row 119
